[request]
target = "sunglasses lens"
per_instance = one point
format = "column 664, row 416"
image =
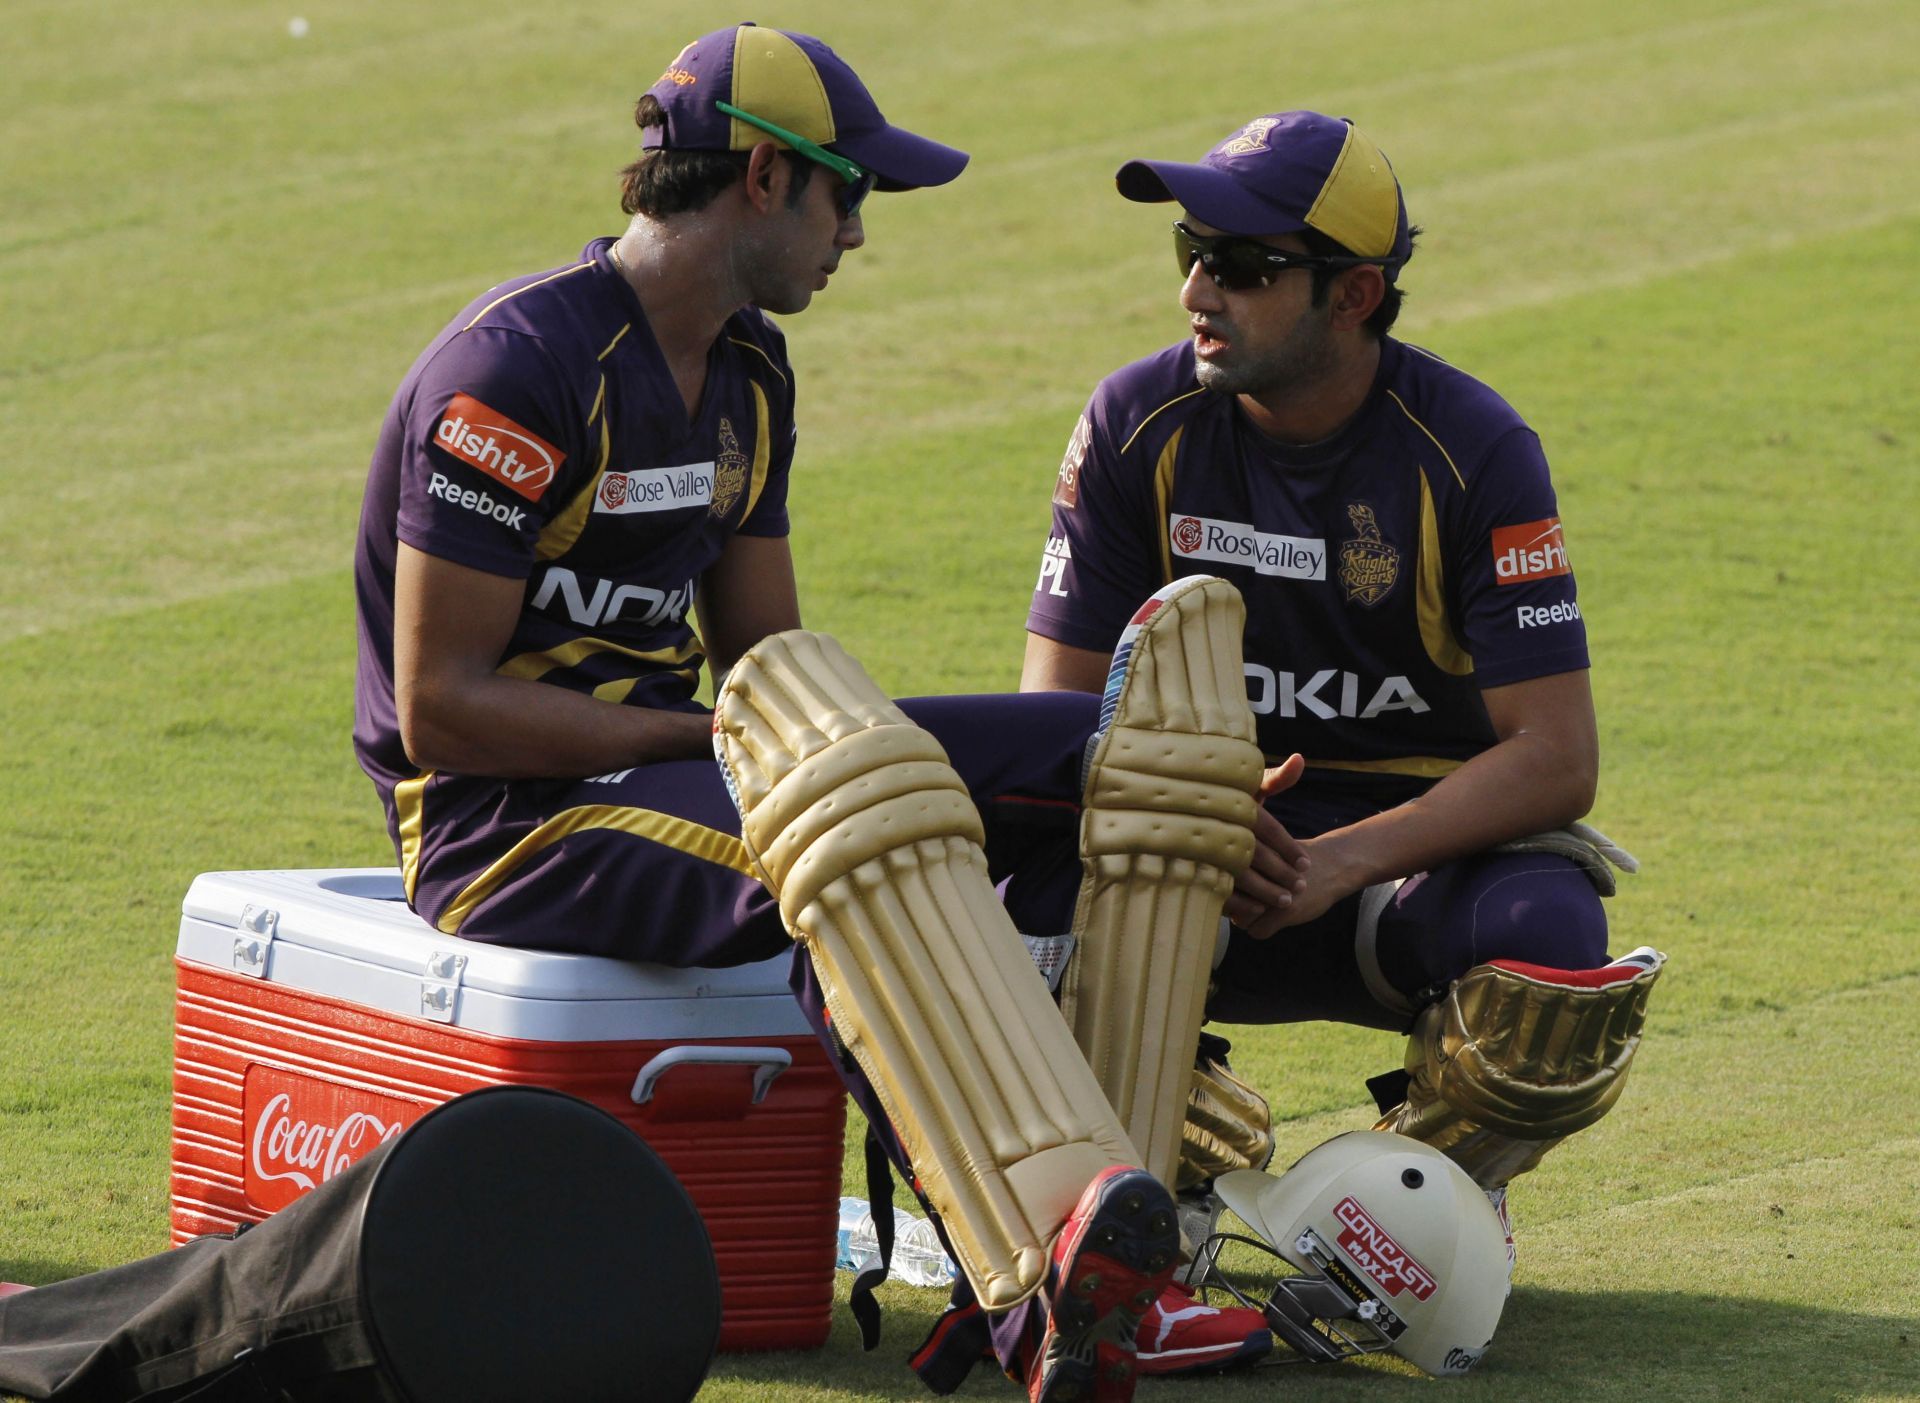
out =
column 854, row 194
column 1235, row 265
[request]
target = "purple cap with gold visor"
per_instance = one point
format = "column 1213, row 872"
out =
column 797, row 83
column 1283, row 173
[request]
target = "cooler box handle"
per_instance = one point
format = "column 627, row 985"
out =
column 768, row 1062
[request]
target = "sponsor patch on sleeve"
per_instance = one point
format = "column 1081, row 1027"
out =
column 484, row 438
column 1533, row 550
column 1066, row 491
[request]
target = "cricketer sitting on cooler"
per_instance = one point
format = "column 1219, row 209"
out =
column 588, row 456
column 1413, row 632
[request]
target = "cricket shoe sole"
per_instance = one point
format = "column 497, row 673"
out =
column 1116, row 1254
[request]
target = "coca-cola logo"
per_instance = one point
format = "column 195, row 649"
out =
column 301, row 1131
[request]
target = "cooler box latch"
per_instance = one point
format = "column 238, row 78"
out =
column 253, row 942
column 702, row 1094
column 440, row 990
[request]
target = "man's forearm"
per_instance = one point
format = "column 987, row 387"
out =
column 511, row 728
column 1523, row 785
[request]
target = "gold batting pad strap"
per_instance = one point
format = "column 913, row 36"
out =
column 1517, row 1057
column 1167, row 823
column 867, row 837
column 1229, row 1126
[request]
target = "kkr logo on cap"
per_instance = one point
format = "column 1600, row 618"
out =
column 1256, row 135
column 482, row 437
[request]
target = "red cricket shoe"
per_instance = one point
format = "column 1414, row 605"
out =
column 1112, row 1260
column 1181, row 1334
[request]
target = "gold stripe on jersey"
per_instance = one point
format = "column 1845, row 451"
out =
column 609, row 351
column 758, row 352
column 682, row 835
column 409, row 808
column 533, row 666
column 762, row 447
column 558, row 536
column 1163, row 497
column 1420, row 766
column 1150, row 418
column 1430, row 593
column 1429, row 433
column 508, row 297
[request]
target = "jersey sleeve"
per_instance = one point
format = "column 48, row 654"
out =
column 1102, row 557
column 769, row 514
column 492, row 444
column 1514, row 590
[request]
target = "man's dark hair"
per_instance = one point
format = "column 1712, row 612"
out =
column 1388, row 312
column 664, row 182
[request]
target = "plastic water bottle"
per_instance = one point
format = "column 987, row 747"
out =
column 918, row 1258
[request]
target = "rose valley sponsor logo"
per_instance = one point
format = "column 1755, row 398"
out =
column 1533, row 550
column 484, row 438
column 655, row 490
column 300, row 1131
column 1374, row 1251
column 1236, row 543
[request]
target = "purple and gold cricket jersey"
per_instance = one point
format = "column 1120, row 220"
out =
column 1390, row 573
column 541, row 437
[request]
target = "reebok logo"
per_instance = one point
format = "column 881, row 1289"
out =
column 1539, row 616
column 509, row 516
column 486, row 439
column 1235, row 543
column 1532, row 550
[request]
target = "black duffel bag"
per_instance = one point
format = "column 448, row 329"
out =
column 513, row 1244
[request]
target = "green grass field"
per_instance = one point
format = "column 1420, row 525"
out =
column 1682, row 237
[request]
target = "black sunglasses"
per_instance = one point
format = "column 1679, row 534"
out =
column 1238, row 264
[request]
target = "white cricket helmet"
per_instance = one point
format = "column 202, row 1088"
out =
column 1397, row 1249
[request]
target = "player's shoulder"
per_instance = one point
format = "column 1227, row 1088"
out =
column 1438, row 400
column 1140, row 405
column 763, row 349
column 562, row 306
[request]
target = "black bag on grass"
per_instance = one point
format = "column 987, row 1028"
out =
column 514, row 1244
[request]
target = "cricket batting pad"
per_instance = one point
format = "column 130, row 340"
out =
column 1228, row 1126
column 868, row 838
column 1517, row 1057
column 1167, row 823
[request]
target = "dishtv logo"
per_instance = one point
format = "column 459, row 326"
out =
column 517, row 458
column 300, row 1131
column 1532, row 550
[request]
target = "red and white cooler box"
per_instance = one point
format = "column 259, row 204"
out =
column 317, row 1016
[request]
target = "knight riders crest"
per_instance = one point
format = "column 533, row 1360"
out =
column 729, row 471
column 1369, row 567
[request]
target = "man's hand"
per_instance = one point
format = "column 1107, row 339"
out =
column 1265, row 894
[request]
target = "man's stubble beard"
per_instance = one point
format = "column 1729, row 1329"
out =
column 1304, row 359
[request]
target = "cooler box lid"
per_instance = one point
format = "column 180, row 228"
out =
column 346, row 933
